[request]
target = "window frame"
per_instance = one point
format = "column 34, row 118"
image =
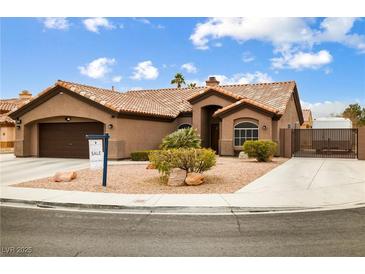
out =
column 245, row 135
column 184, row 124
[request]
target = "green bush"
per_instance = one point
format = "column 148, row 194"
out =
column 188, row 159
column 182, row 138
column 141, row 155
column 262, row 150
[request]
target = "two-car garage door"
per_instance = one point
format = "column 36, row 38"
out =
column 66, row 140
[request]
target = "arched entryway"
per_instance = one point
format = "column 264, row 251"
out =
column 210, row 127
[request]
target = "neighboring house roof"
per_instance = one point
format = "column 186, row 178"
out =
column 170, row 102
column 306, row 114
column 7, row 105
column 5, row 120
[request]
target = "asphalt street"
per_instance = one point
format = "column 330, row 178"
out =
column 40, row 232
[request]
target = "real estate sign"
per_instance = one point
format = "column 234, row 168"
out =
column 96, row 154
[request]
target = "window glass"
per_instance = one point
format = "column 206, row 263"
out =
column 245, row 131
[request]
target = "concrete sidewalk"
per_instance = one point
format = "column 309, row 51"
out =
column 296, row 184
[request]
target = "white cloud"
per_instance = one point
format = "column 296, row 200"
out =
column 292, row 38
column 326, row 108
column 143, row 20
column 190, row 68
column 338, row 30
column 281, row 32
column 218, row 45
column 98, row 68
column 276, row 30
column 94, row 24
column 328, row 71
column 302, row 60
column 117, row 79
column 145, row 70
column 60, row 23
column 244, row 78
column 247, row 57
column 136, row 88
column 148, row 22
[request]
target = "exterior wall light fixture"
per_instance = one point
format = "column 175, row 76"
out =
column 110, row 126
column 68, row 119
column 18, row 121
column 264, row 127
column 18, row 127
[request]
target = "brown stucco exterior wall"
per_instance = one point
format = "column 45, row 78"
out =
column 7, row 136
column 199, row 113
column 289, row 117
column 126, row 136
column 361, row 143
column 227, row 128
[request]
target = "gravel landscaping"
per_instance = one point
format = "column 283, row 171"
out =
column 229, row 175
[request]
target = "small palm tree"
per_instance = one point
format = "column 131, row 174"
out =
column 178, row 80
column 191, row 85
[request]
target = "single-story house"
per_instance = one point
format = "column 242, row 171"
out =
column 308, row 119
column 54, row 123
column 7, row 125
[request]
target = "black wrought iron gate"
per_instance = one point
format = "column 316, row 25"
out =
column 325, row 143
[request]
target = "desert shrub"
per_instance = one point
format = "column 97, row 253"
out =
column 194, row 160
column 163, row 160
column 188, row 159
column 141, row 155
column 262, row 150
column 182, row 138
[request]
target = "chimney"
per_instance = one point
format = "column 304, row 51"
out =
column 211, row 82
column 25, row 94
column 113, row 89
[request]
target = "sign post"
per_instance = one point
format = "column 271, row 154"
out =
column 98, row 152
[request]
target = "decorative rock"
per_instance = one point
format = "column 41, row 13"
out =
column 242, row 155
column 150, row 166
column 177, row 177
column 194, row 179
column 64, row 176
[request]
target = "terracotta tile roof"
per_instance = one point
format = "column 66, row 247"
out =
column 170, row 102
column 245, row 101
column 6, row 120
column 217, row 89
column 7, row 105
column 306, row 114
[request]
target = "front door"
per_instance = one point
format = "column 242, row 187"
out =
column 214, row 136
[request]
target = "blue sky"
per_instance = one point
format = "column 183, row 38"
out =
column 325, row 56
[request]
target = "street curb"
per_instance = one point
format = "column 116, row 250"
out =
column 158, row 209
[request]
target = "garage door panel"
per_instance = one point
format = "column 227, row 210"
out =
column 66, row 140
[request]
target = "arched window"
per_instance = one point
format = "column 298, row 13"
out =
column 184, row 126
column 245, row 131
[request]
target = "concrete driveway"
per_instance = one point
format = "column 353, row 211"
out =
column 301, row 174
column 15, row 170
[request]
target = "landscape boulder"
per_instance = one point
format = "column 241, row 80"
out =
column 194, row 179
column 242, row 155
column 177, row 177
column 64, row 176
column 150, row 166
